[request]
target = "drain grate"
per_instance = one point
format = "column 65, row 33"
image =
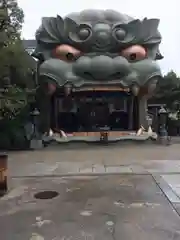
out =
column 46, row 195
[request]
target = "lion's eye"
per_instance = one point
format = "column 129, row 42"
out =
column 67, row 53
column 70, row 56
column 134, row 53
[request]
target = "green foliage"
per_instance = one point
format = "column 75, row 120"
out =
column 170, row 80
column 13, row 100
column 168, row 89
column 15, row 112
column 13, row 134
column 16, row 66
column 16, row 69
column 11, row 20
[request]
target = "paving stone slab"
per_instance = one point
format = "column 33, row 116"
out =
column 174, row 182
column 138, row 169
column 97, row 208
column 118, row 169
column 167, row 188
column 177, row 207
column 98, row 168
column 38, row 166
column 160, row 166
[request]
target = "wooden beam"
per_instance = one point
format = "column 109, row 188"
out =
column 98, row 89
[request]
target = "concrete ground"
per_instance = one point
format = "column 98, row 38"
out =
column 119, row 191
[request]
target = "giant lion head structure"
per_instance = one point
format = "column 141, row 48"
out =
column 99, row 48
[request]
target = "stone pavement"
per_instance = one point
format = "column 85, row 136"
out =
column 94, row 159
column 100, row 192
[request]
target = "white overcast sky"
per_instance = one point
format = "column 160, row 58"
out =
column 167, row 11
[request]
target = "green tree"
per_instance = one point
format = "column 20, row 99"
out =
column 16, row 65
column 168, row 88
column 11, row 20
column 21, row 66
column 170, row 80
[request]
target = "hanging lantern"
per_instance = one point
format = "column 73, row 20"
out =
column 67, row 89
column 135, row 89
column 51, row 88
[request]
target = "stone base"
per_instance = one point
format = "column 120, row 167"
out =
column 96, row 137
column 36, row 144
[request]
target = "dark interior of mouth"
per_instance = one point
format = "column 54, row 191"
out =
column 90, row 111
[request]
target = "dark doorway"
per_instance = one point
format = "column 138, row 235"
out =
column 87, row 113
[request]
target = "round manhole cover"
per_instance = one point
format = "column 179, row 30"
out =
column 46, row 195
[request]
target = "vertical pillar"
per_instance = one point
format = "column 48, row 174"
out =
column 56, row 108
column 130, row 110
column 143, row 111
column 44, row 106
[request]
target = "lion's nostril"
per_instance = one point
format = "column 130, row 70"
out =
column 88, row 75
column 117, row 75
